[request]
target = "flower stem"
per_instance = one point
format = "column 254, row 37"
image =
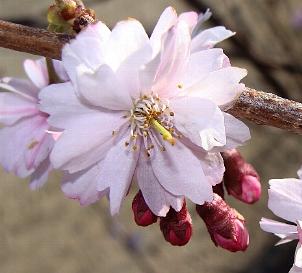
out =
column 52, row 74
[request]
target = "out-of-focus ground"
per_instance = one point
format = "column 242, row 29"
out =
column 45, row 232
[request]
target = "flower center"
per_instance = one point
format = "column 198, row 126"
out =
column 150, row 114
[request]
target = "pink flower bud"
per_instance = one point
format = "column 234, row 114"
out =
column 225, row 224
column 240, row 178
column 177, row 226
column 143, row 216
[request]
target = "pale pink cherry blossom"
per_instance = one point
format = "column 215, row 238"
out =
column 285, row 201
column 143, row 107
column 25, row 144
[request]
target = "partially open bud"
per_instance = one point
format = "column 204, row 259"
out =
column 69, row 16
column 143, row 216
column 240, row 178
column 225, row 224
column 177, row 226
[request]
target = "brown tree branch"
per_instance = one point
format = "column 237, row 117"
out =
column 32, row 40
column 256, row 106
column 268, row 109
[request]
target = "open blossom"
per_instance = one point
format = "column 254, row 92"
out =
column 148, row 108
column 25, row 145
column 285, row 201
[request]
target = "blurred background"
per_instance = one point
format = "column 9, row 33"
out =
column 45, row 232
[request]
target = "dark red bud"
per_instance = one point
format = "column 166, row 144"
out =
column 143, row 216
column 240, row 178
column 225, row 225
column 177, row 226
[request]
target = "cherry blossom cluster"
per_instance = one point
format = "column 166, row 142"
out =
column 131, row 109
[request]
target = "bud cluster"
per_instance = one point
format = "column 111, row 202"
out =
column 69, row 16
column 176, row 226
column 225, row 225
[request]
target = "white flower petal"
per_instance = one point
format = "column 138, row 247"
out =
column 126, row 38
column 213, row 167
column 285, row 198
column 117, row 170
column 23, row 88
column 157, row 198
column 129, row 72
column 277, row 227
column 63, row 106
column 203, row 17
column 60, row 70
column 82, row 186
column 295, row 269
column 180, row 172
column 17, row 142
column 209, row 38
column 190, row 18
column 237, row 133
column 221, row 86
column 14, row 107
column 200, row 120
column 298, row 256
column 40, row 176
column 201, row 64
column 104, row 89
column 37, row 72
column 300, row 173
column 39, row 146
column 87, row 49
column 167, row 19
column 174, row 57
column 86, row 142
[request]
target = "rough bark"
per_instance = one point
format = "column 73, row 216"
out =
column 256, row 106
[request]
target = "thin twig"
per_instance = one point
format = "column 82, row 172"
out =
column 32, row 40
column 256, row 106
column 268, row 109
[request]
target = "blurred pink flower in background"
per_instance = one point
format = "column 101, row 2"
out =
column 285, row 201
column 25, row 144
